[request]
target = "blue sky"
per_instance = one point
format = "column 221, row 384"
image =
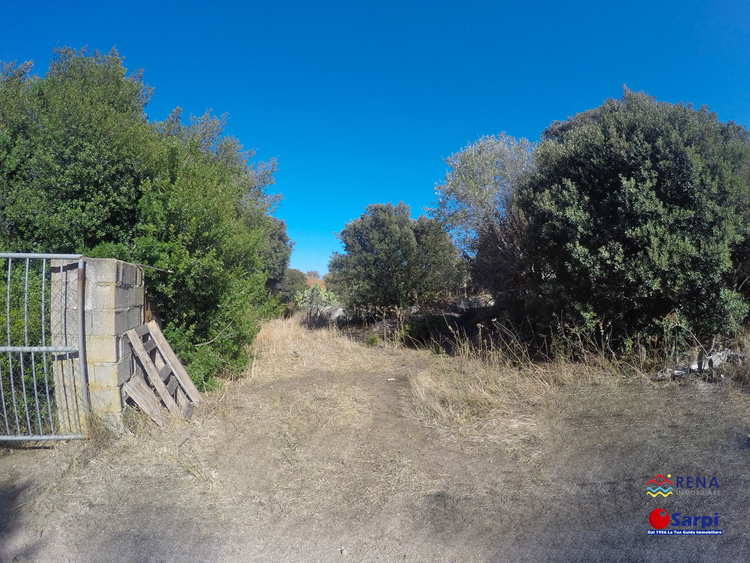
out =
column 361, row 101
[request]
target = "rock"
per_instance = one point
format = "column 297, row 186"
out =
column 332, row 313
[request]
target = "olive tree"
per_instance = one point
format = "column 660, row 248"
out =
column 477, row 204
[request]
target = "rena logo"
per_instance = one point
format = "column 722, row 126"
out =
column 660, row 519
column 659, row 485
column 666, row 486
column 696, row 483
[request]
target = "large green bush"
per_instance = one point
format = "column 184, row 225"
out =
column 83, row 170
column 294, row 281
column 637, row 210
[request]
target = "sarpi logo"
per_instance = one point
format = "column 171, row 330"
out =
column 681, row 525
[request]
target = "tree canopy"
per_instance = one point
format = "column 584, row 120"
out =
column 83, row 170
column 276, row 252
column 294, row 281
column 392, row 260
column 477, row 204
column 636, row 211
column 478, row 191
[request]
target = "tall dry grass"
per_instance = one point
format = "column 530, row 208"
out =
column 480, row 380
column 484, row 378
column 285, row 347
column 486, row 388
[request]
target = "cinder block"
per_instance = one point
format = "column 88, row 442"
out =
column 100, row 322
column 134, row 317
column 100, row 295
column 114, row 421
column 124, row 370
column 102, row 375
column 123, row 347
column 128, row 296
column 100, row 349
column 112, row 323
column 129, row 274
column 105, row 400
column 124, row 320
column 101, row 270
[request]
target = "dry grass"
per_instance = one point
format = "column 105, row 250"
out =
column 284, row 348
column 483, row 387
column 327, row 442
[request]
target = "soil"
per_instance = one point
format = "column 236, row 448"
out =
column 320, row 454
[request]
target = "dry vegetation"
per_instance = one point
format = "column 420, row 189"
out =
column 330, row 450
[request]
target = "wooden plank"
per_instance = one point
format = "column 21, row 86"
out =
column 166, row 351
column 149, row 345
column 153, row 375
column 141, row 330
column 184, row 404
column 164, row 372
column 172, row 384
column 159, row 361
column 144, row 397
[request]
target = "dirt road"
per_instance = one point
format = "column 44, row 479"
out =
column 322, row 454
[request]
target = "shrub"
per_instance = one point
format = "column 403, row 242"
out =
column 635, row 212
column 315, row 297
column 184, row 198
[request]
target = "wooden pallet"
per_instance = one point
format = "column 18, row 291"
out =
column 166, row 382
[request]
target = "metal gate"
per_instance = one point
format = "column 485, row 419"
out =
column 43, row 384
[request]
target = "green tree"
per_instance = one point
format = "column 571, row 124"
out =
column 83, row 170
column 479, row 189
column 477, row 204
column 74, row 150
column 276, row 251
column 634, row 212
column 294, row 281
column 391, row 260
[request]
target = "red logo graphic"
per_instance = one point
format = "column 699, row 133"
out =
column 659, row 518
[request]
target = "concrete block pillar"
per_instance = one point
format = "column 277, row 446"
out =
column 114, row 300
column 113, row 304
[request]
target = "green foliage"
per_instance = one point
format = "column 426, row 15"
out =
column 391, row 260
column 315, row 297
column 294, row 281
column 372, row 340
column 182, row 197
column 478, row 192
column 634, row 212
column 276, row 252
column 477, row 204
column 75, row 144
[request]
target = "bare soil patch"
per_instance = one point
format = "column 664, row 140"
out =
column 330, row 450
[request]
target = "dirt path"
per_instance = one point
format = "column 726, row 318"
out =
column 321, row 455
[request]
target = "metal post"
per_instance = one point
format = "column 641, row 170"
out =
column 82, row 334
